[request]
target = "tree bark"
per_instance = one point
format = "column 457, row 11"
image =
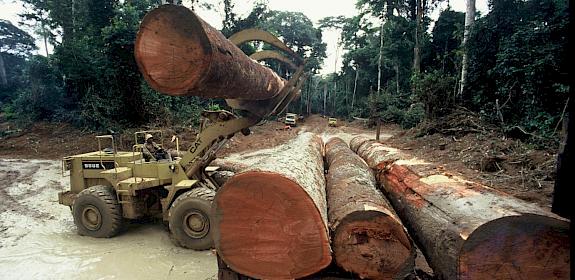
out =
column 469, row 21
column 368, row 238
column 324, row 99
column 418, row 32
column 270, row 221
column 3, row 79
column 565, row 166
column 354, row 88
column 180, row 54
column 380, row 59
column 378, row 129
column 467, row 230
column 241, row 161
column 397, row 78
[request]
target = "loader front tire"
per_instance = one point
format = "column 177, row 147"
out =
column 97, row 212
column 189, row 219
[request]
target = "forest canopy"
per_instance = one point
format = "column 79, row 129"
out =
column 508, row 66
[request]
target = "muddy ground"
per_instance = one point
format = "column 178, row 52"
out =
column 38, row 239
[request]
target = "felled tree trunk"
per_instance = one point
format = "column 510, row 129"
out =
column 368, row 238
column 180, row 54
column 230, row 165
column 242, row 161
column 270, row 221
column 467, row 230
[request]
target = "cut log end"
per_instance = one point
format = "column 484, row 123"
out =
column 172, row 49
column 517, row 247
column 373, row 245
column 266, row 221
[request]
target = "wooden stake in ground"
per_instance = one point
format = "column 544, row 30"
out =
column 368, row 238
column 270, row 221
column 467, row 230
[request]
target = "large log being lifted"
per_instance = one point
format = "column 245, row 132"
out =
column 270, row 220
column 180, row 54
column 467, row 230
column 368, row 238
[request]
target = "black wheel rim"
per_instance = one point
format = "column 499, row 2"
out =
column 196, row 224
column 91, row 217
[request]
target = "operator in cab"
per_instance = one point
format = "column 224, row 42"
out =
column 152, row 150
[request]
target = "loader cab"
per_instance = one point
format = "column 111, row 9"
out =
column 158, row 168
column 140, row 144
column 100, row 167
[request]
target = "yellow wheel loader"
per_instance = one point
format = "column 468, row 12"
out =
column 180, row 54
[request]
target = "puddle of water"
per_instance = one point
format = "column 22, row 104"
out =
column 141, row 253
column 38, row 240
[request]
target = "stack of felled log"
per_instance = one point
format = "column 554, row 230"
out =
column 309, row 209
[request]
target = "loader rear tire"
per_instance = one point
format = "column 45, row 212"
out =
column 97, row 212
column 189, row 218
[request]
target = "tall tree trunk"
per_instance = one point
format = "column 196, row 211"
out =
column 354, row 88
column 44, row 33
column 334, row 96
column 469, row 21
column 418, row 32
column 3, row 79
column 324, row 98
column 346, row 94
column 311, row 90
column 565, row 166
column 397, row 77
column 378, row 129
column 379, row 62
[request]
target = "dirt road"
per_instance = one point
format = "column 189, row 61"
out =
column 38, row 238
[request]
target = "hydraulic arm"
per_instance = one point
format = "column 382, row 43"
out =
column 180, row 54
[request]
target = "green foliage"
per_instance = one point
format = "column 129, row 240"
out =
column 92, row 79
column 15, row 46
column 436, row 91
column 413, row 116
column 517, row 74
column 518, row 67
column 42, row 97
column 14, row 40
column 299, row 34
column 447, row 35
column 392, row 108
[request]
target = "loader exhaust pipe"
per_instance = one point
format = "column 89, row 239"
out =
column 180, row 54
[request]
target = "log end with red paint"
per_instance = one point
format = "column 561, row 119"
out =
column 373, row 245
column 469, row 231
column 172, row 49
column 268, row 227
column 517, row 247
column 368, row 238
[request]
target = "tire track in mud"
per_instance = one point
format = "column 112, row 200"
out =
column 18, row 185
column 13, row 202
